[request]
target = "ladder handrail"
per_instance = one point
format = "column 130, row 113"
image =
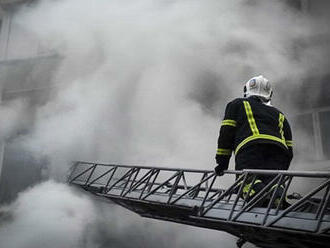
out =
column 171, row 189
column 255, row 171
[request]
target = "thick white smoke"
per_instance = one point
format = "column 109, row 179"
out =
column 143, row 82
column 48, row 215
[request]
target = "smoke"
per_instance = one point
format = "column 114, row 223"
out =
column 13, row 118
column 121, row 228
column 144, row 82
column 54, row 215
column 48, row 215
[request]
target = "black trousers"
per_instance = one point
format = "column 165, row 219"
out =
column 263, row 157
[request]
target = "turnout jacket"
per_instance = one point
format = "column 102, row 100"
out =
column 248, row 121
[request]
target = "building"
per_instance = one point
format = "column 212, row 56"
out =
column 312, row 100
column 25, row 70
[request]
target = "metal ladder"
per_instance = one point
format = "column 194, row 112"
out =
column 200, row 198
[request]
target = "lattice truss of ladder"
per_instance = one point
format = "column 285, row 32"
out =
column 200, row 198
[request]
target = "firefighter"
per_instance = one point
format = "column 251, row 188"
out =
column 256, row 132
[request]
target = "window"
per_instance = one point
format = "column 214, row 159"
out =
column 311, row 135
column 304, row 136
column 324, row 118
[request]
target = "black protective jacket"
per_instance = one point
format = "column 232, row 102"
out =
column 249, row 121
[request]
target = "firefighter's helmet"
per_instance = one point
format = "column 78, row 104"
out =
column 258, row 86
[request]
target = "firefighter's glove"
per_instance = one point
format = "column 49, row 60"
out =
column 219, row 170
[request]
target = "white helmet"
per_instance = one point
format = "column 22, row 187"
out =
column 258, row 86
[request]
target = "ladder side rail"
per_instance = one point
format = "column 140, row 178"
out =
column 150, row 167
column 246, row 176
column 325, row 174
column 299, row 203
column 231, row 194
column 317, row 174
column 80, row 174
column 259, row 196
column 121, row 179
column 228, row 172
column 223, row 194
column 272, row 199
column 99, row 177
column 71, row 171
column 134, row 170
column 192, row 189
column 183, row 186
column 201, row 208
column 217, row 192
column 184, row 181
column 283, row 196
column 110, row 178
column 174, row 186
column 153, row 181
column 90, row 174
column 129, row 181
column 322, row 212
column 320, row 207
column 250, row 189
column 147, row 183
column 134, row 178
column 140, row 181
column 161, row 185
column 286, row 176
column 198, row 189
column 263, row 193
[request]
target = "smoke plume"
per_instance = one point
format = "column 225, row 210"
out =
column 143, row 82
column 146, row 82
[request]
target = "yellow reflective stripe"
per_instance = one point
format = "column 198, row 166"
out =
column 246, row 190
column 250, row 118
column 228, row 123
column 247, row 187
column 275, row 185
column 221, row 151
column 256, row 181
column 289, row 143
column 280, row 125
column 260, row 136
column 277, row 200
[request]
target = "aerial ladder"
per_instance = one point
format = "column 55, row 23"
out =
column 201, row 198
